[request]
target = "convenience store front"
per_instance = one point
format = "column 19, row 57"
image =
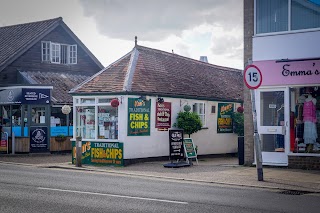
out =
column 288, row 109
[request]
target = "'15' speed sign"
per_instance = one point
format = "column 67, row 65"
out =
column 252, row 77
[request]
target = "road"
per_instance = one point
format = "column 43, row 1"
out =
column 33, row 189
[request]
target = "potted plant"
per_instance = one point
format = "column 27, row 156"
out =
column 189, row 121
column 60, row 138
column 238, row 128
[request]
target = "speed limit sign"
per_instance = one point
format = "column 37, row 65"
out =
column 252, row 77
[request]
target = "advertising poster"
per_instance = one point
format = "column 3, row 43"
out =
column 163, row 115
column 138, row 117
column 3, row 142
column 225, row 123
column 176, row 144
column 38, row 139
column 104, row 153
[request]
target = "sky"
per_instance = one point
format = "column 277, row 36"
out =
column 190, row 28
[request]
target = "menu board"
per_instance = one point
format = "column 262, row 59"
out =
column 176, row 144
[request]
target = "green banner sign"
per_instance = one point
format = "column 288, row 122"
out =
column 225, row 123
column 105, row 153
column 138, row 117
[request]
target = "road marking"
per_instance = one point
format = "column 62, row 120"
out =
column 114, row 195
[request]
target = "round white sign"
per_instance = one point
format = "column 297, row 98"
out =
column 252, row 77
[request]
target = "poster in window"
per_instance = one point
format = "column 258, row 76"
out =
column 163, row 115
column 225, row 123
column 138, row 117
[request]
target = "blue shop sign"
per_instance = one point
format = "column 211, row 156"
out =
column 25, row 96
column 35, row 96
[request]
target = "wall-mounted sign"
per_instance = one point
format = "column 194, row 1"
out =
column 38, row 139
column 176, row 144
column 163, row 115
column 225, row 123
column 35, row 96
column 138, row 117
column 289, row 72
column 25, row 96
column 11, row 96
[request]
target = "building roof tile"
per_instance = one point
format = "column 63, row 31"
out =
column 167, row 74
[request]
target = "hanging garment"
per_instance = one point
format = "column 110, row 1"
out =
column 309, row 111
column 310, row 133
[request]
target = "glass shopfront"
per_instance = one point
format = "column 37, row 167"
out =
column 288, row 110
column 96, row 119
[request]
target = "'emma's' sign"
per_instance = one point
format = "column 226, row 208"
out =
column 289, row 73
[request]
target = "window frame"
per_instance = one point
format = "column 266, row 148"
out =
column 201, row 115
column 52, row 52
column 45, row 51
column 289, row 31
column 81, row 102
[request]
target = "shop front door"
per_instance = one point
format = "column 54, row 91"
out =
column 273, row 125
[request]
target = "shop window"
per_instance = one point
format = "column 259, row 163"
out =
column 305, row 121
column 60, row 123
column 96, row 121
column 85, row 122
column 108, row 122
column 38, row 115
column 14, row 119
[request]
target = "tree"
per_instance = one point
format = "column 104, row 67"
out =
column 189, row 121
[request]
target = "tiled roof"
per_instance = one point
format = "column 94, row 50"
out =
column 150, row 71
column 61, row 82
column 15, row 38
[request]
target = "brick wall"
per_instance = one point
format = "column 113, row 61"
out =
column 304, row 162
column 248, row 21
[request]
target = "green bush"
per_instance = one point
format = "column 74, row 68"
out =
column 238, row 123
column 189, row 121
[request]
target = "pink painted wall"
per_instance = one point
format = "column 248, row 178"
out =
column 289, row 73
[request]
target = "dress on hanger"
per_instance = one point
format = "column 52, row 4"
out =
column 310, row 119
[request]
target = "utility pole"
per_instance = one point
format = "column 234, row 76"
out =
column 253, row 78
column 78, row 151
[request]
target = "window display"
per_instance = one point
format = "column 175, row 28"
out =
column 306, row 123
column 99, row 120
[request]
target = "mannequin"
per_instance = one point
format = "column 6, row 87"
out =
column 309, row 117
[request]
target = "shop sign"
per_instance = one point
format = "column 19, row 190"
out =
column 138, row 117
column 225, row 123
column 104, row 153
column 189, row 148
column 163, row 115
column 35, row 96
column 4, row 142
column 25, row 96
column 176, row 144
column 38, row 139
column 10, row 96
column 289, row 73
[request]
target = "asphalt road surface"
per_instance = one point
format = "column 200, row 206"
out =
column 32, row 189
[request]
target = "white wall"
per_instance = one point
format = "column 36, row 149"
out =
column 157, row 144
column 287, row 46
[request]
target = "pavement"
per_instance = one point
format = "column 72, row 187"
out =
column 217, row 170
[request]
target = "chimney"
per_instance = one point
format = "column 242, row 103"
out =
column 204, row 59
column 135, row 41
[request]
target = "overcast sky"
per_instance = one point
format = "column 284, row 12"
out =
column 191, row 28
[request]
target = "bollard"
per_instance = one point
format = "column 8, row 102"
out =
column 79, row 151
